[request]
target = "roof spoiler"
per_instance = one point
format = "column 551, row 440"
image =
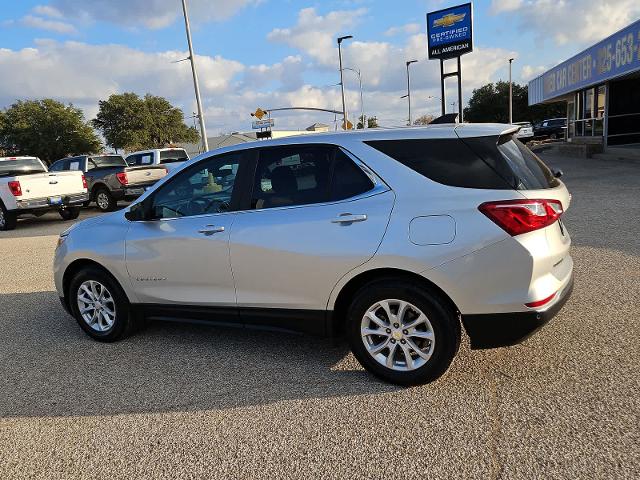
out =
column 507, row 134
column 446, row 118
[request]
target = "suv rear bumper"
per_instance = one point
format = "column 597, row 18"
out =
column 505, row 329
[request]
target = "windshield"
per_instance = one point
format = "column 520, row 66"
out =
column 20, row 166
column 103, row 161
column 172, row 156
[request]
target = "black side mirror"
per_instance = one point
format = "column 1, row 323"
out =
column 557, row 173
column 137, row 212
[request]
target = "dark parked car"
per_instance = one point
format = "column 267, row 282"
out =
column 552, row 128
column 110, row 179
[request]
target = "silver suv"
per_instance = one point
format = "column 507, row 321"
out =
column 393, row 238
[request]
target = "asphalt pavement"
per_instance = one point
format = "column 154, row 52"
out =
column 186, row 401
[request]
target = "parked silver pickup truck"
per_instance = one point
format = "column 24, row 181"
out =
column 27, row 187
column 110, row 179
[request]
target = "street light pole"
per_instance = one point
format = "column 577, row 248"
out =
column 409, row 88
column 203, row 130
column 510, row 94
column 344, row 107
column 357, row 72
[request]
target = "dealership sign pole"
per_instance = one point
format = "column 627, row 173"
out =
column 450, row 35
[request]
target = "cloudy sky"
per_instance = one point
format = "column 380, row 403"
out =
column 278, row 53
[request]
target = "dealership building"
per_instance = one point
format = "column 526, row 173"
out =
column 601, row 87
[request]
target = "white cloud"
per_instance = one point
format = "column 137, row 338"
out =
column 409, row 29
column 83, row 74
column 149, row 13
column 56, row 26
column 47, row 11
column 316, row 34
column 288, row 74
column 578, row 21
column 529, row 72
column 500, row 6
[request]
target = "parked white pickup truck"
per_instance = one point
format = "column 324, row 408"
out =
column 27, row 187
column 169, row 157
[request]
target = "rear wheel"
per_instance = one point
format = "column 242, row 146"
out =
column 105, row 200
column 100, row 306
column 70, row 213
column 401, row 333
column 8, row 220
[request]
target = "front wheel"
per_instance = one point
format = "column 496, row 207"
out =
column 70, row 213
column 8, row 220
column 100, row 306
column 402, row 333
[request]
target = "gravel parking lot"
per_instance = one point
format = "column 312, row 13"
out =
column 185, row 401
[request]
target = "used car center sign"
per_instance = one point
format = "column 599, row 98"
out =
column 613, row 57
column 450, row 32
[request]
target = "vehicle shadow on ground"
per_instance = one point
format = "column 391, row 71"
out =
column 50, row 367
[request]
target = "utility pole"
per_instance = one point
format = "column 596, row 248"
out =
column 408, row 95
column 203, row 130
column 510, row 94
column 357, row 72
column 344, row 107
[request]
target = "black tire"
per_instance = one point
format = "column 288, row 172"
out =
column 8, row 220
column 104, row 200
column 126, row 322
column 70, row 213
column 444, row 321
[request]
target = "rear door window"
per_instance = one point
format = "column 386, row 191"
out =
column 348, row 179
column 287, row 176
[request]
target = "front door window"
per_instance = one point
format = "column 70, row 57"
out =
column 206, row 188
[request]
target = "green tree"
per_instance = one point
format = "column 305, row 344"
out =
column 165, row 123
column 372, row 122
column 133, row 123
column 490, row 103
column 121, row 120
column 46, row 129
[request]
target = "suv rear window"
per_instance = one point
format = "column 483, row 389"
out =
column 446, row 161
column 495, row 163
column 519, row 166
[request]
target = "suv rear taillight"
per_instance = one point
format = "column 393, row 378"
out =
column 84, row 182
column 521, row 216
column 15, row 188
column 122, row 178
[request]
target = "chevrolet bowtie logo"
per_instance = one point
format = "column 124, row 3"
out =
column 449, row 19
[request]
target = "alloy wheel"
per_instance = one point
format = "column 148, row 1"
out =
column 397, row 335
column 102, row 200
column 96, row 305
column 3, row 220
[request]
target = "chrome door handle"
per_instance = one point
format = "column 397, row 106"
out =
column 349, row 218
column 211, row 229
